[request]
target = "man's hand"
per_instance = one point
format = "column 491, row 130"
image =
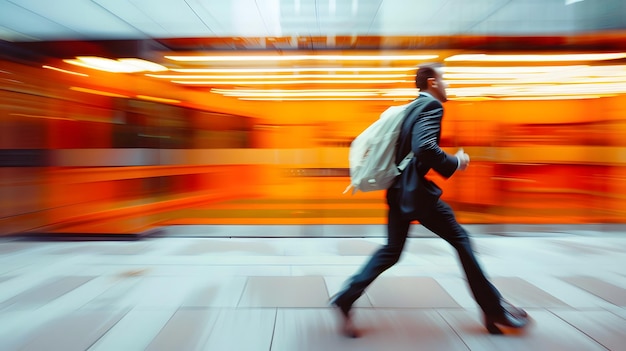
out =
column 464, row 159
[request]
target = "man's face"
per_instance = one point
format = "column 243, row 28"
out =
column 438, row 86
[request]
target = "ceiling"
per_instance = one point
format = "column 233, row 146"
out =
column 48, row 32
column 34, row 30
column 36, row 20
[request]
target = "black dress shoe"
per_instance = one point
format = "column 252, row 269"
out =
column 347, row 327
column 504, row 319
column 515, row 311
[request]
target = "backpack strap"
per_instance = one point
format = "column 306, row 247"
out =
column 418, row 103
column 405, row 161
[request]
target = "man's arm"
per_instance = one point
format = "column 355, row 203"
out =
column 425, row 142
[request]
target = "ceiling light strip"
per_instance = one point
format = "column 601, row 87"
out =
column 548, row 80
column 447, row 69
column 326, row 98
column 273, row 76
column 257, row 58
column 294, row 70
column 65, row 71
column 301, row 94
column 536, row 58
column 143, row 65
column 281, row 82
column 122, row 65
column 222, row 91
column 514, row 69
column 574, row 89
column 158, row 99
column 409, row 98
column 557, row 97
column 97, row 92
column 103, row 64
column 459, row 92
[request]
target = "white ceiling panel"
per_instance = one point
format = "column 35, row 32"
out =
column 347, row 17
column 419, row 12
column 298, row 8
column 134, row 16
column 342, row 25
column 176, row 17
column 269, row 10
column 539, row 10
column 299, row 18
column 30, row 20
column 248, row 18
column 68, row 18
column 216, row 13
column 26, row 23
column 525, row 18
column 398, row 17
column 239, row 17
column 461, row 17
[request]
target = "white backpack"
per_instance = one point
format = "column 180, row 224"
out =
column 372, row 153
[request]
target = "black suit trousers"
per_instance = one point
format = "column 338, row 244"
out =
column 439, row 219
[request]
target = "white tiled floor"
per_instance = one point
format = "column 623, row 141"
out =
column 219, row 293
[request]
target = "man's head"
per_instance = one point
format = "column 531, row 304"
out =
column 429, row 79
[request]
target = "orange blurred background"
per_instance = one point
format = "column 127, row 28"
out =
column 84, row 150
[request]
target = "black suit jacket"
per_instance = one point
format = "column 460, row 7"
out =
column 412, row 192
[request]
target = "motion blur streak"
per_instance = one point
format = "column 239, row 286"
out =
column 105, row 152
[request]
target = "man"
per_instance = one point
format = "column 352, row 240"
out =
column 414, row 197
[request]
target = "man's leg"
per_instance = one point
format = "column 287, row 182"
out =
column 383, row 259
column 496, row 311
column 441, row 221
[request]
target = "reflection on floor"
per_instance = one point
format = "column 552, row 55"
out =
column 232, row 292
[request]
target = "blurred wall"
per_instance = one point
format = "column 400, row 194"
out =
column 78, row 161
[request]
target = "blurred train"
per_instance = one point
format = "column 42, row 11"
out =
column 89, row 151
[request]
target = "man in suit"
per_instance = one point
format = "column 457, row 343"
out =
column 415, row 197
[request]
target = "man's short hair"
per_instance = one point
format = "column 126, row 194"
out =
column 424, row 72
